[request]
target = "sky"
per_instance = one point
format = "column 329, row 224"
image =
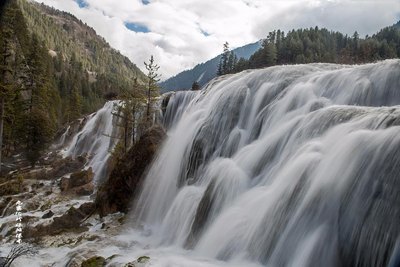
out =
column 182, row 33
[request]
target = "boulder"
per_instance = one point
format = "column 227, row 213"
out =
column 64, row 184
column 84, row 190
column 68, row 222
column 116, row 194
column 72, row 218
column 81, row 178
column 47, row 215
column 96, row 261
column 79, row 183
column 64, row 166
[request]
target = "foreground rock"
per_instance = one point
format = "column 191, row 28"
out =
column 79, row 183
column 10, row 187
column 71, row 221
column 117, row 193
column 96, row 261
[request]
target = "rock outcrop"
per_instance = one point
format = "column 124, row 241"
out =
column 69, row 222
column 79, row 183
column 116, row 194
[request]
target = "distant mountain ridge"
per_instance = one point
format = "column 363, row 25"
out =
column 204, row 72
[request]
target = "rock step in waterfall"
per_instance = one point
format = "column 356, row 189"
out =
column 284, row 166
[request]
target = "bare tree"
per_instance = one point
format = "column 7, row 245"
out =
column 16, row 252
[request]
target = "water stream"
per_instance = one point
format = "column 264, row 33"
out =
column 96, row 140
column 284, row 166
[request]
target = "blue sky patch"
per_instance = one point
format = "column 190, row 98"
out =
column 136, row 27
column 82, row 3
column 204, row 33
column 146, row 2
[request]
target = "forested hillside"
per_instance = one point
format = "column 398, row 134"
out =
column 318, row 45
column 54, row 69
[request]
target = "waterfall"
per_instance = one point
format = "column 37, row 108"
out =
column 96, row 140
column 174, row 104
column 284, row 166
column 61, row 141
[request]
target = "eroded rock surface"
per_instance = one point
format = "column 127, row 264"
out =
column 116, row 194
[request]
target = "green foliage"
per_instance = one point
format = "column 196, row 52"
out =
column 320, row 45
column 130, row 116
column 152, row 89
column 54, row 69
column 83, row 65
column 96, row 261
column 227, row 62
column 37, row 132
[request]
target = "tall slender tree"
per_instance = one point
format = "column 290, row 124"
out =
column 153, row 90
column 223, row 63
column 6, row 57
column 128, row 113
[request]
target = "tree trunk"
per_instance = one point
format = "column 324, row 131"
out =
column 126, row 129
column 1, row 128
column 148, row 102
column 134, row 124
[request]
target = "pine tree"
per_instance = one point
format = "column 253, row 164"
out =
column 241, row 64
column 232, row 61
column 270, row 54
column 128, row 112
column 223, row 63
column 38, row 133
column 6, row 62
column 152, row 88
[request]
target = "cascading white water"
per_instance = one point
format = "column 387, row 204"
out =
column 284, row 166
column 174, row 104
column 61, row 141
column 96, row 139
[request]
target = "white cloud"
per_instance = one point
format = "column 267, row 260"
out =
column 184, row 33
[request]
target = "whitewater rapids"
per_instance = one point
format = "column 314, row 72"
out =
column 284, row 166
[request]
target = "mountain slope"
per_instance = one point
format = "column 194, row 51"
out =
column 54, row 69
column 204, row 72
column 64, row 33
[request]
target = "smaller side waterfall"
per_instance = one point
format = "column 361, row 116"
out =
column 96, row 139
column 63, row 138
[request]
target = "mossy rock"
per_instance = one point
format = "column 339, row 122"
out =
column 143, row 259
column 96, row 261
column 12, row 187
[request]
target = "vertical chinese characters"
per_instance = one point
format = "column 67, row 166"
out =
column 18, row 225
